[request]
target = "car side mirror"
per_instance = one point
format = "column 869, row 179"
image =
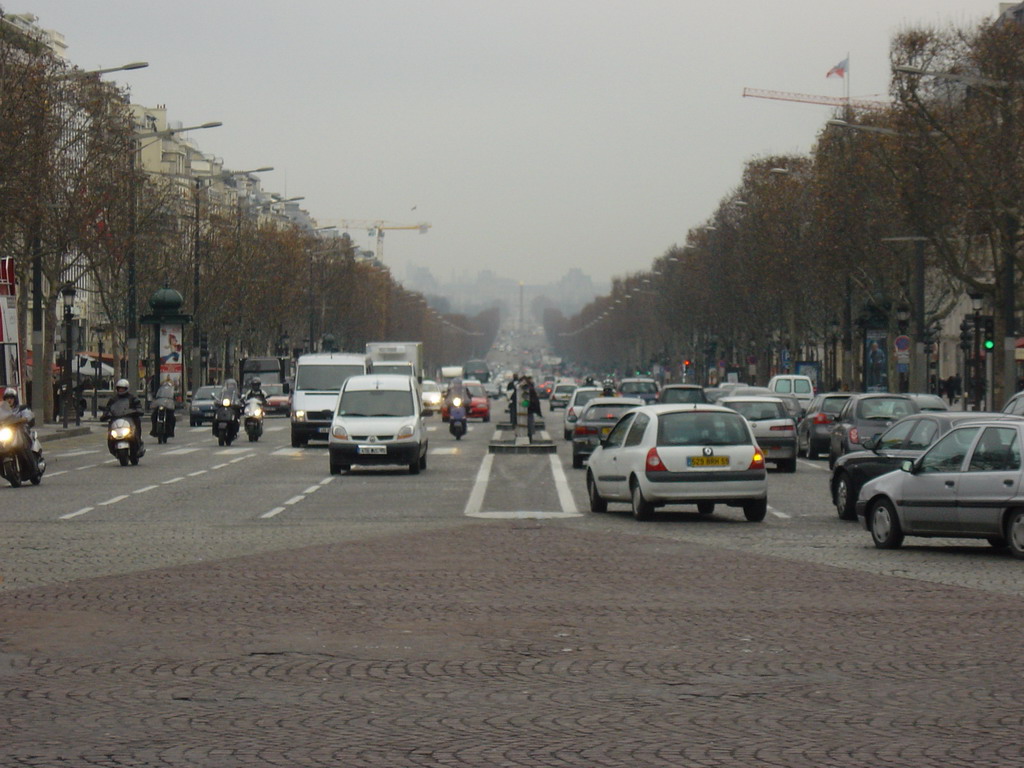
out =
column 870, row 444
column 907, row 466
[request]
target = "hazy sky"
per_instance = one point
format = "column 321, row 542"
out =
column 535, row 136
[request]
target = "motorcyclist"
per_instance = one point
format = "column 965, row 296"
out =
column 608, row 388
column 456, row 389
column 127, row 405
column 256, row 390
column 12, row 410
column 589, row 381
column 164, row 397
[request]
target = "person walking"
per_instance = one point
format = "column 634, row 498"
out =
column 513, row 393
column 532, row 407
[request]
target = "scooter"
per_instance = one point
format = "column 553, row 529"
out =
column 123, row 439
column 163, row 414
column 21, row 453
column 253, row 415
column 457, row 418
column 225, row 422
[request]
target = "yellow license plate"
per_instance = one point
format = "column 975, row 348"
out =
column 707, row 461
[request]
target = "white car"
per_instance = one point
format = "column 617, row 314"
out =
column 431, row 393
column 378, row 419
column 774, row 428
column 679, row 454
column 574, row 407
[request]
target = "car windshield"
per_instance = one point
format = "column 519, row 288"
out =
column 755, row 411
column 639, row 387
column 430, row 386
column 376, row 402
column 702, row 428
column 606, row 411
column 682, row 395
column 402, row 369
column 585, row 396
column 273, row 389
column 328, row 378
column 476, row 390
column 885, row 408
column 207, row 393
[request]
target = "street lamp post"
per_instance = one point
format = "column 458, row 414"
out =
column 97, row 365
column 68, row 295
column 977, row 382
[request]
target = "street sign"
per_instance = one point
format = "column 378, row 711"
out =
column 902, row 346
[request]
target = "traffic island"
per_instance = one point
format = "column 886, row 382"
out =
column 505, row 440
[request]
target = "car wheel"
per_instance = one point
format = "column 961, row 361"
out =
column 487, row 418
column 1015, row 533
column 885, row 525
column 811, row 452
column 755, row 511
column 831, row 459
column 597, row 502
column 996, row 541
column 844, row 498
column 414, row 467
column 577, row 461
column 567, row 434
column 800, row 450
column 423, row 459
column 788, row 465
column 705, row 507
column 642, row 509
column 335, row 468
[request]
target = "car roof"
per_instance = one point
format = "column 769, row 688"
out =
column 955, row 416
column 615, row 401
column 378, row 381
column 683, row 386
column 751, row 399
column 663, row 408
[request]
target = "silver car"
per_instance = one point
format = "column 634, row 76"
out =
column 967, row 485
column 774, row 428
column 574, row 407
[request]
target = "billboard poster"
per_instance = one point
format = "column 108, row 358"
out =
column 171, row 362
column 876, row 368
column 10, row 359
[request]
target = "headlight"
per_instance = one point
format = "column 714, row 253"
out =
column 120, row 433
column 225, row 402
column 405, row 432
column 298, row 415
column 6, row 435
column 457, row 402
column 339, row 432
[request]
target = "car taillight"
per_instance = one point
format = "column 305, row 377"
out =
column 758, row 461
column 654, row 462
column 571, row 414
column 854, row 435
column 783, row 428
column 822, row 418
column 581, row 431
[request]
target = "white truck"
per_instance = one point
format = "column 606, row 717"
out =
column 402, row 357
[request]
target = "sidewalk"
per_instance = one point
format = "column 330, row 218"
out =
column 55, row 430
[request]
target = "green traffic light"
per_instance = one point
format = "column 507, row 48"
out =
column 989, row 344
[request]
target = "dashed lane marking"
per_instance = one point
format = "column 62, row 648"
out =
column 275, row 511
column 81, row 511
column 296, row 499
column 777, row 513
column 814, row 465
column 114, row 500
column 146, row 489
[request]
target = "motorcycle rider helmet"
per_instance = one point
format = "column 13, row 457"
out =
column 255, row 383
column 11, row 395
column 121, row 386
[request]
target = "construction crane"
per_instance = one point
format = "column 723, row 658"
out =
column 806, row 98
column 377, row 228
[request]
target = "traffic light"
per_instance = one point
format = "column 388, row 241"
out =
column 966, row 335
column 204, row 346
column 988, row 333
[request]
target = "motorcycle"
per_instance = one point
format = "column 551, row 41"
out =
column 225, row 422
column 21, row 453
column 457, row 418
column 253, row 415
column 163, row 414
column 123, row 439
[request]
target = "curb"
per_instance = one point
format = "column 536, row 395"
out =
column 505, row 441
column 64, row 433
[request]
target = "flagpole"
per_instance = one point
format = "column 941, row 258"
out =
column 847, row 79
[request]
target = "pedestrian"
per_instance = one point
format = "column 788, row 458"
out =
column 533, row 406
column 513, row 391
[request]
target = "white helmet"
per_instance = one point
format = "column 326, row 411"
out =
column 121, row 384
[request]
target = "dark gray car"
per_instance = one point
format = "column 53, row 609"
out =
column 596, row 421
column 813, row 433
column 864, row 416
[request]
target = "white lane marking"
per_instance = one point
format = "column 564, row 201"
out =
column 274, row 429
column 88, row 466
column 114, row 500
column 476, row 497
column 287, row 452
column 524, row 515
column 241, row 458
column 179, row 451
column 172, row 480
column 219, row 466
column 814, row 464
column 326, row 480
column 271, row 513
column 81, row 452
column 777, row 513
column 445, row 451
column 198, row 472
column 58, row 472
column 312, row 489
column 82, row 511
column 294, row 500
column 562, row 486
column 147, row 488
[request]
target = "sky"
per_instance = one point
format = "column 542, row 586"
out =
column 533, row 136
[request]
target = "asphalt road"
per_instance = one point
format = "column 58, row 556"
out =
column 240, row 606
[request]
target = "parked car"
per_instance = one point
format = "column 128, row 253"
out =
column 579, row 398
column 864, row 416
column 967, row 485
column 929, row 402
column 682, row 393
column 774, row 429
column 638, row 386
column 813, row 430
column 561, row 393
column 278, row 401
column 908, row 438
column 679, row 454
column 596, row 421
column 802, row 387
column 479, row 403
column 431, row 395
column 203, row 405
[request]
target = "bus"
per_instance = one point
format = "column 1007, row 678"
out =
column 270, row 370
column 477, row 369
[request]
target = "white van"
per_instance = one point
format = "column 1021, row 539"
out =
column 801, row 387
column 378, row 419
column 318, row 379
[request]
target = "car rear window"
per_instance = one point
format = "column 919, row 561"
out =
column 755, row 411
column 606, row 412
column 682, row 396
column 639, row 387
column 833, row 405
column 582, row 398
column 884, row 408
column 783, row 385
column 802, row 387
column 565, row 388
column 702, row 428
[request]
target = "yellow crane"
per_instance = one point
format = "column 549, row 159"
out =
column 377, row 228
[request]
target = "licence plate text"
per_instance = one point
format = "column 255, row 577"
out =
column 373, row 449
column 707, row 461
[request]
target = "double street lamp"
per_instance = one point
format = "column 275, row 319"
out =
column 68, row 401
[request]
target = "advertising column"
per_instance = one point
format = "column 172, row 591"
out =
column 10, row 354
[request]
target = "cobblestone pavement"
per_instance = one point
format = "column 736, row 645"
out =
column 511, row 643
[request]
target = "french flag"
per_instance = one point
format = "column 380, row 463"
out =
column 839, row 70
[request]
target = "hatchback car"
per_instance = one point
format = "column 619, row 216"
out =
column 378, row 420
column 679, row 454
column 682, row 393
column 865, row 416
column 431, row 396
column 967, row 485
column 908, row 438
column 813, row 431
column 580, row 397
column 479, row 403
column 278, row 401
column 644, row 388
column 561, row 393
column 596, row 421
column 203, row 404
column 774, row 429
